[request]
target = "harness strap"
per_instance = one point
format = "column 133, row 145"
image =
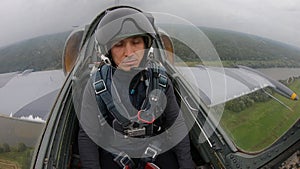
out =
column 160, row 79
column 102, row 83
column 102, row 86
column 151, row 166
column 102, row 92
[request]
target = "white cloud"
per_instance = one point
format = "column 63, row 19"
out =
column 25, row 19
column 31, row 118
column 274, row 19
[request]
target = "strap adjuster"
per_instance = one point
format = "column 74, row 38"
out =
column 99, row 86
column 102, row 120
column 124, row 160
column 162, row 80
column 135, row 132
column 151, row 152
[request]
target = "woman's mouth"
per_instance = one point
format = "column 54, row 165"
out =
column 129, row 62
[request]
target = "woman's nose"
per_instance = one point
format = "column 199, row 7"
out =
column 128, row 50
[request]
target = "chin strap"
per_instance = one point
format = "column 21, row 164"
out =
column 103, row 58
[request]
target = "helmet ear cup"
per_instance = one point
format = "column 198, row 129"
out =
column 148, row 41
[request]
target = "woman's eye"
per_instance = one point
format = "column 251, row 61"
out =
column 118, row 44
column 137, row 41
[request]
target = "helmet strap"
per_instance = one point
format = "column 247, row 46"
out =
column 103, row 58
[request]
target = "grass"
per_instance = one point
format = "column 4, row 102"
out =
column 5, row 164
column 20, row 160
column 260, row 125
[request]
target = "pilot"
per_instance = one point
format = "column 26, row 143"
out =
column 135, row 99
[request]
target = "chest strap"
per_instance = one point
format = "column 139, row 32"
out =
column 103, row 95
column 102, row 85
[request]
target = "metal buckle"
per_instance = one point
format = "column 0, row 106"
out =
column 151, row 152
column 162, row 80
column 135, row 132
column 99, row 86
column 123, row 159
column 102, row 120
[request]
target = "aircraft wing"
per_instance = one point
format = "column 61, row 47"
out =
column 218, row 85
column 29, row 93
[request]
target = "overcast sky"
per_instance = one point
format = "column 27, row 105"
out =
column 273, row 19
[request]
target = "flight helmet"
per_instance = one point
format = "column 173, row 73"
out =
column 123, row 22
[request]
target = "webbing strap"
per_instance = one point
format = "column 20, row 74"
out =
column 102, row 90
column 102, row 85
column 160, row 79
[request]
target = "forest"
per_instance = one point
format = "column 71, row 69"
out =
column 233, row 48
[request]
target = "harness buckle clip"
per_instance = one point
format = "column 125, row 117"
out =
column 162, row 80
column 99, row 86
column 124, row 160
column 151, row 151
column 135, row 132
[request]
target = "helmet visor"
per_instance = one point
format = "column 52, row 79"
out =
column 123, row 27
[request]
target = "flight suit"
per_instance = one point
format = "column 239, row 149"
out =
column 93, row 156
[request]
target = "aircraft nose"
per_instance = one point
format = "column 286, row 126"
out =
column 294, row 96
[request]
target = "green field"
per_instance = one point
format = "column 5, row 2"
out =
column 258, row 126
column 15, row 159
column 5, row 164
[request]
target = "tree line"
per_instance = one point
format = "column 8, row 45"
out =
column 20, row 147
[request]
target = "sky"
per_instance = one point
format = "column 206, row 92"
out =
column 273, row 19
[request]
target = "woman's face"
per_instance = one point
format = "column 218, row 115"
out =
column 128, row 53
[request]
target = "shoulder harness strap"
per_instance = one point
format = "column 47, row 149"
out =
column 101, row 82
column 159, row 76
